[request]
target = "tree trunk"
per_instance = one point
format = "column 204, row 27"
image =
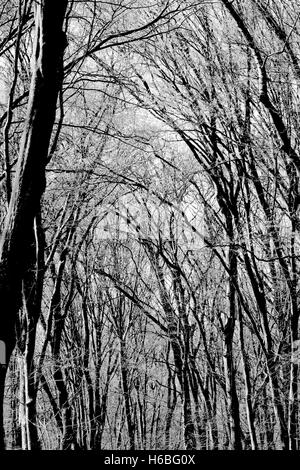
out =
column 126, row 394
column 229, row 329
column 29, row 183
column 293, row 413
column 249, row 407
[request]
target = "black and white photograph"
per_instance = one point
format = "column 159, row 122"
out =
column 150, row 229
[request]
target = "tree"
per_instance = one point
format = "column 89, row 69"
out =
column 20, row 236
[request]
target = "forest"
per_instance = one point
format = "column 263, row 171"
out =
column 149, row 213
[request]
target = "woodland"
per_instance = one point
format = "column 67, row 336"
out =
column 149, row 221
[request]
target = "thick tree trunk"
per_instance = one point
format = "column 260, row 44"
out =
column 29, row 182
